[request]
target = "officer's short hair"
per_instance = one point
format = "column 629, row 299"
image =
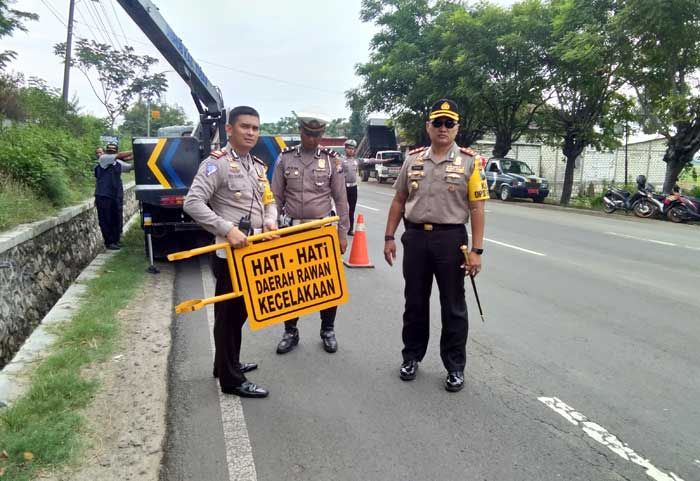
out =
column 112, row 148
column 241, row 110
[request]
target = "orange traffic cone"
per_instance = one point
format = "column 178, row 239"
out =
column 358, row 251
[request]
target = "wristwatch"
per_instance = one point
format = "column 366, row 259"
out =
column 388, row 238
column 476, row 250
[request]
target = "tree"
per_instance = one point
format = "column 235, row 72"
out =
column 136, row 123
column 285, row 125
column 664, row 41
column 404, row 74
column 357, row 124
column 11, row 20
column 121, row 75
column 583, row 63
column 498, row 54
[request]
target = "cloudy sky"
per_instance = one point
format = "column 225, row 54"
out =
column 276, row 55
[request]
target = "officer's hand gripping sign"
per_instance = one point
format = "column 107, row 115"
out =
column 284, row 278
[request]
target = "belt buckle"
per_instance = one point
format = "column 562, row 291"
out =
column 428, row 227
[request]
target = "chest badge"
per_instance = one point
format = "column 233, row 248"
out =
column 414, row 185
column 457, row 161
column 321, row 163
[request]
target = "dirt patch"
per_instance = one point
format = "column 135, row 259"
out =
column 126, row 421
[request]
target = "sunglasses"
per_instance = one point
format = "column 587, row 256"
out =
column 312, row 134
column 449, row 123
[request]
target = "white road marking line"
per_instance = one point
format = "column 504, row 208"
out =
column 607, row 439
column 390, row 194
column 515, row 247
column 239, row 453
column 367, row 207
column 663, row 243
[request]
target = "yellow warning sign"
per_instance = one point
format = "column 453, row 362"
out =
column 291, row 276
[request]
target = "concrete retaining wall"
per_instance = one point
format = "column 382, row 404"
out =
column 39, row 261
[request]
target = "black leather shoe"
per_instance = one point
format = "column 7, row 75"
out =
column 245, row 367
column 247, row 389
column 408, row 370
column 113, row 247
column 330, row 344
column 289, row 340
column 454, row 381
column 351, row 232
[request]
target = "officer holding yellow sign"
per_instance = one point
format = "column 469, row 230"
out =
column 438, row 189
column 231, row 198
column 305, row 181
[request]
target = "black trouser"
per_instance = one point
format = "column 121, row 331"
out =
column 327, row 320
column 108, row 215
column 352, row 201
column 229, row 317
column 120, row 213
column 427, row 254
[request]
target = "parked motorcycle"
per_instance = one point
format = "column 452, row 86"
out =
column 616, row 198
column 650, row 204
column 683, row 209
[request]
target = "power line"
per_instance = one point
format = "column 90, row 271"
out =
column 273, row 79
column 87, row 24
column 105, row 39
column 109, row 23
column 111, row 2
column 98, row 20
column 239, row 71
column 53, row 11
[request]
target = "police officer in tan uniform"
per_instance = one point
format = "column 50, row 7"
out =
column 305, row 180
column 349, row 169
column 231, row 198
column 438, row 189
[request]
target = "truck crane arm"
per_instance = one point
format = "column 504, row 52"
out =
column 206, row 96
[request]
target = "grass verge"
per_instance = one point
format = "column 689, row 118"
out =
column 45, row 427
column 19, row 204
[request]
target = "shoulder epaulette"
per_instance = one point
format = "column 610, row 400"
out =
column 416, row 150
column 217, row 154
column 260, row 161
column 329, row 152
column 469, row 151
column 291, row 148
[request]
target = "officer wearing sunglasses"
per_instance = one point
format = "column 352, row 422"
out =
column 439, row 188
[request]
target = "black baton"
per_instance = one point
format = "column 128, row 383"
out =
column 463, row 248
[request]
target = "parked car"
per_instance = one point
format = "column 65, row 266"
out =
column 508, row 178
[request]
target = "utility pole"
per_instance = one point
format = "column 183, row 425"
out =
column 69, row 47
column 627, row 138
column 148, row 116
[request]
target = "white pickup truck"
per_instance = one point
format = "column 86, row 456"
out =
column 385, row 165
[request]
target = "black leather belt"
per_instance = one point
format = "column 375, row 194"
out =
column 431, row 227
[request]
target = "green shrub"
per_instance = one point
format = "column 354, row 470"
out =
column 52, row 161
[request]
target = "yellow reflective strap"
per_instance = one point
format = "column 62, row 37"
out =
column 268, row 196
column 477, row 186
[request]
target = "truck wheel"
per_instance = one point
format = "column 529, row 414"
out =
column 505, row 193
column 365, row 175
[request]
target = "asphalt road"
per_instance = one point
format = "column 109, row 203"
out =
column 587, row 367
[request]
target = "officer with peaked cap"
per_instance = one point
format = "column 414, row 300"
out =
column 231, row 198
column 349, row 168
column 305, row 182
column 438, row 189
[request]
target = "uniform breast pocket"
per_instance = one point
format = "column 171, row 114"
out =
column 292, row 175
column 238, row 183
column 456, row 183
column 320, row 178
